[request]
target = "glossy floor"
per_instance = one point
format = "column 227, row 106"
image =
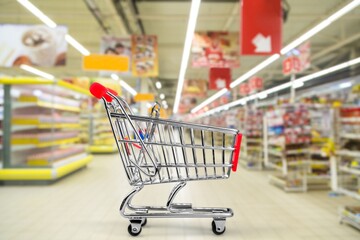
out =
column 85, row 206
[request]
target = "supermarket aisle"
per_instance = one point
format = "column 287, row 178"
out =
column 85, row 206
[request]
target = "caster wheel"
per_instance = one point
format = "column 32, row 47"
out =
column 217, row 230
column 144, row 222
column 134, row 231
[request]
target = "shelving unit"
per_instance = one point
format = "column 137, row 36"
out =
column 102, row 139
column 287, row 146
column 346, row 164
column 41, row 129
column 253, row 125
column 322, row 142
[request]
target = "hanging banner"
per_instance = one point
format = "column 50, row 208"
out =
column 215, row 49
column 298, row 59
column 114, row 46
column 34, row 45
column 244, row 89
column 261, row 27
column 304, row 55
column 219, row 78
column 144, row 58
column 255, row 84
column 99, row 62
column 194, row 91
column 291, row 65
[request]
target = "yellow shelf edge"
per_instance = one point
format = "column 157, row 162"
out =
column 73, row 166
column 34, row 100
column 38, row 124
column 25, row 80
column 102, row 149
column 70, row 86
column 36, row 143
column 45, row 173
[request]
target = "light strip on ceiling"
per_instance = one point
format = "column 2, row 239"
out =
column 320, row 26
column 254, row 70
column 37, row 72
column 124, row 84
column 34, row 10
column 347, row 8
column 45, row 19
column 209, row 100
column 194, row 11
column 77, row 45
column 283, row 86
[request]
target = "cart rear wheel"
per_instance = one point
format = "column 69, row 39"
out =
column 218, row 230
column 133, row 230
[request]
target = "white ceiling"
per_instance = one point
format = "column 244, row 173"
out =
column 168, row 20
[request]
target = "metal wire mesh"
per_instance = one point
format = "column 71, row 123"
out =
column 179, row 155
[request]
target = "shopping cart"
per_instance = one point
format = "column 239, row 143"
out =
column 155, row 151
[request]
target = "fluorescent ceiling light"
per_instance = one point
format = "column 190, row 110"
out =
column 345, row 85
column 194, row 11
column 162, row 96
column 286, row 85
column 298, row 84
column 114, row 76
column 262, row 95
column 37, row 72
column 128, row 88
column 209, row 100
column 34, row 10
column 254, row 70
column 164, row 103
column 158, row 85
column 77, row 45
column 320, row 26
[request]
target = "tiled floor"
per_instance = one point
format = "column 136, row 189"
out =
column 85, row 206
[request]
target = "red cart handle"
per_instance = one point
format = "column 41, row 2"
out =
column 237, row 145
column 99, row 91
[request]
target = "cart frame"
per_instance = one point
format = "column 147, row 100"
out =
column 159, row 153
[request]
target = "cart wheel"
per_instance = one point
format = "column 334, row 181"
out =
column 218, row 230
column 134, row 230
column 143, row 222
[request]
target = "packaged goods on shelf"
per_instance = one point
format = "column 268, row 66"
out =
column 42, row 130
column 346, row 176
column 253, row 141
column 286, row 142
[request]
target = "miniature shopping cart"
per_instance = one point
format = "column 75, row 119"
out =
column 155, row 151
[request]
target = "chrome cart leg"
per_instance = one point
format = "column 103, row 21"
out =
column 177, row 207
column 136, row 223
column 218, row 226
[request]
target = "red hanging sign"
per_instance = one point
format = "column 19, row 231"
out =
column 219, row 78
column 261, row 27
column 291, row 65
column 244, row 89
column 255, row 83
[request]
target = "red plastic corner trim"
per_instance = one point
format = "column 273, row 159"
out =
column 97, row 90
column 236, row 155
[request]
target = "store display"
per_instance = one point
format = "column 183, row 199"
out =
column 43, row 129
column 253, row 126
column 287, row 145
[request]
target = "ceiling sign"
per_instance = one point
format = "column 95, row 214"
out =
column 255, row 83
column 141, row 97
column 219, row 78
column 261, row 27
column 98, row 62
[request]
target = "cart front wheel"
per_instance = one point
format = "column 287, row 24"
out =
column 217, row 227
column 134, row 230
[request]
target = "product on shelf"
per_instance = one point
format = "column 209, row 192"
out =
column 287, row 140
column 44, row 127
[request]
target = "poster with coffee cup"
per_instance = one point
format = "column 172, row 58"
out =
column 35, row 45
